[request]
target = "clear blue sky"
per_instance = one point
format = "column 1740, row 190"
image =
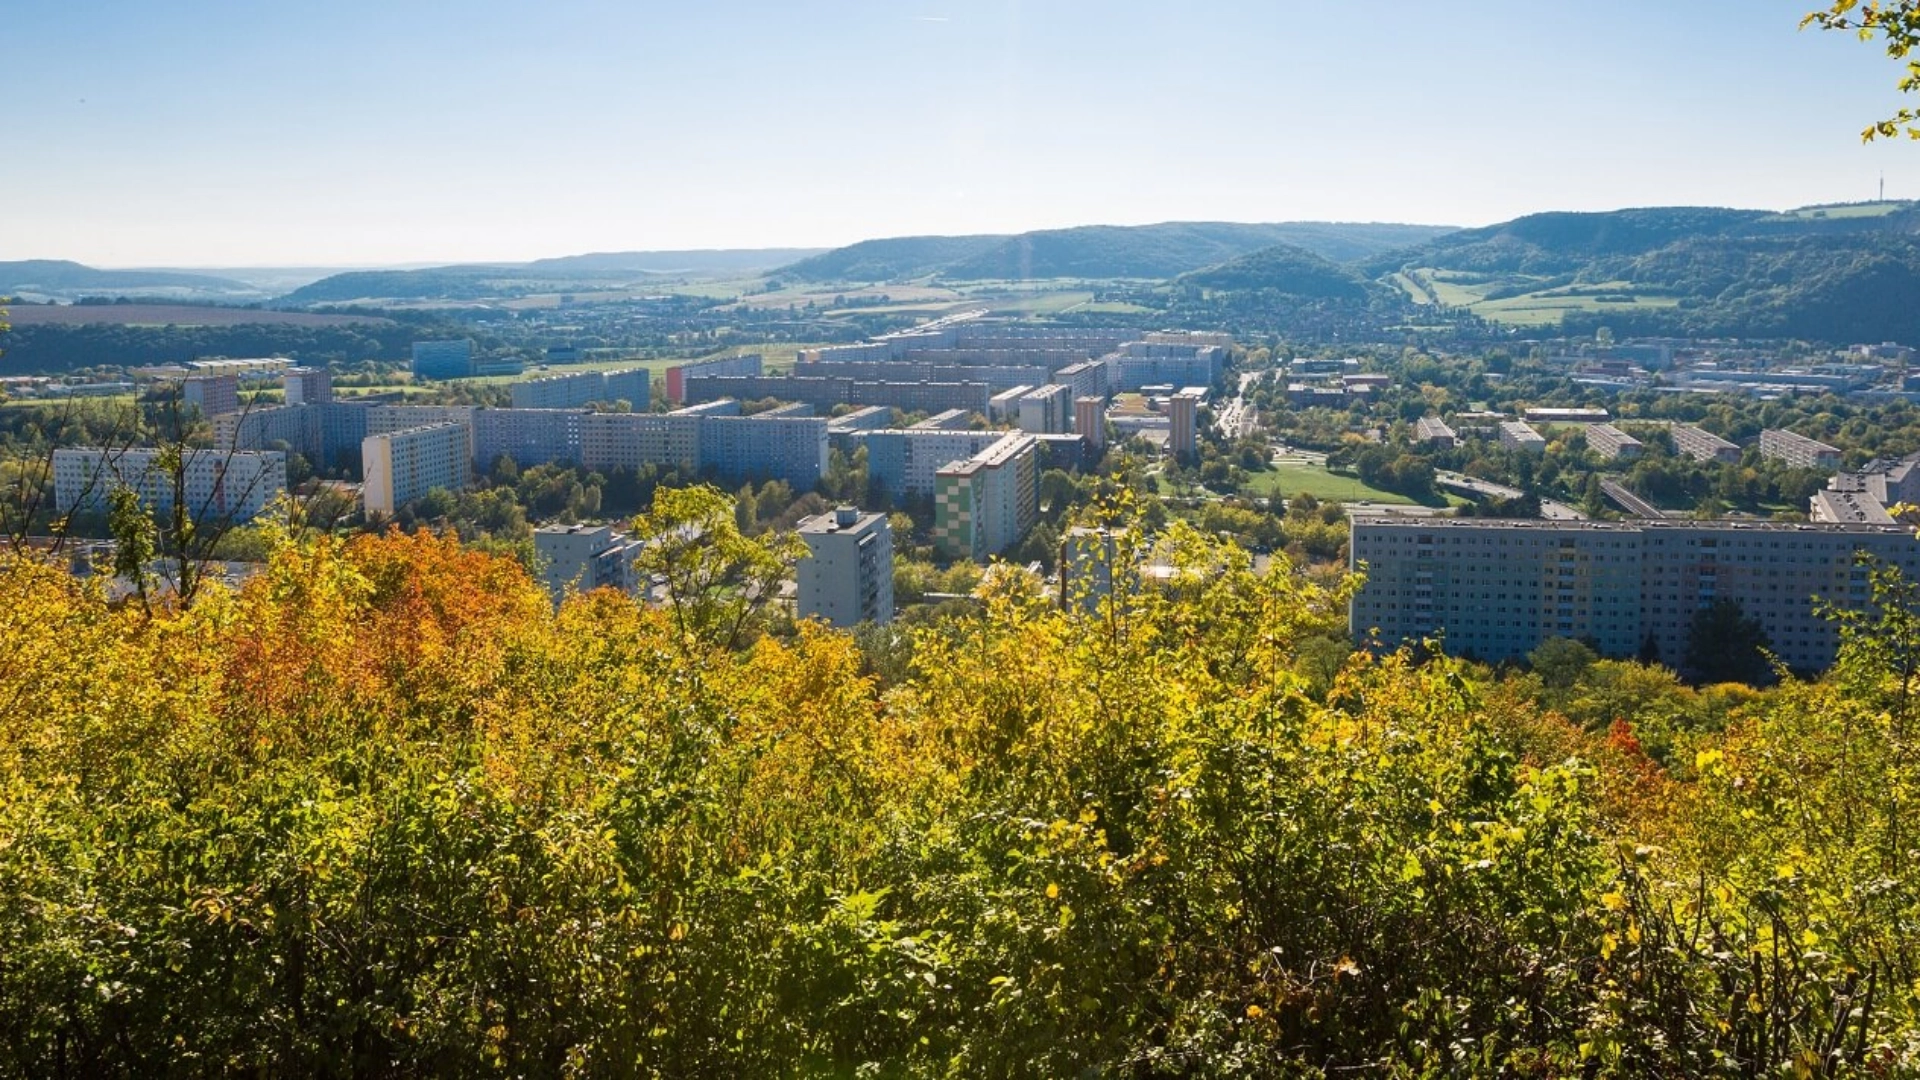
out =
column 211, row 133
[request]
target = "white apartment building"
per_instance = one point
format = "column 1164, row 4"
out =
column 847, row 576
column 307, row 386
column 217, row 485
column 1610, row 442
column 401, row 466
column 1521, row 436
column 1704, row 445
column 1046, row 410
column 1798, row 450
column 612, row 440
column 586, row 557
column 1497, row 589
column 632, row 385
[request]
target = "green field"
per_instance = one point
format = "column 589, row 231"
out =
column 1286, row 480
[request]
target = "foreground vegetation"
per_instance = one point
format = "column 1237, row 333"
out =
column 384, row 812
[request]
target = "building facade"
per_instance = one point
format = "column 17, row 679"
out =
column 1798, row 450
column 1701, row 445
column 576, row 391
column 1610, row 442
column 401, row 466
column 847, row 576
column 1497, row 589
column 442, row 359
column 986, row 504
column 229, row 486
column 581, row 558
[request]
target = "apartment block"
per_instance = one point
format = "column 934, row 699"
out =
column 401, row 466
column 1047, row 410
column 1090, row 421
column 902, row 461
column 528, row 436
column 307, row 385
column 1497, row 589
column 677, row 376
column 576, row 391
column 1611, row 443
column 1798, row 450
column 1183, row 429
column 742, row 448
column 582, row 558
column 1004, row 407
column 1567, row 416
column 1088, row 378
column 847, row 576
column 1521, row 436
column 985, row 504
column 210, row 395
column 382, row 419
column 613, row 440
column 231, row 486
column 1703, row 445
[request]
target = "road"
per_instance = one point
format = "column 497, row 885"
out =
column 1549, row 509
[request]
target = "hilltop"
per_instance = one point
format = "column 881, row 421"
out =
column 1148, row 252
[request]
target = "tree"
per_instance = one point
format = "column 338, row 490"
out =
column 717, row 578
column 1897, row 24
column 1560, row 662
column 1725, row 644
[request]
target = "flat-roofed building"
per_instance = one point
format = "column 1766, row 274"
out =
column 901, row 462
column 581, row 558
column 1497, row 589
column 1004, row 407
column 211, row 395
column 1798, row 450
column 1555, row 415
column 1183, row 426
column 755, row 448
column 1610, row 442
column 1521, row 436
column 442, row 359
column 676, row 378
column 527, row 436
column 1434, row 432
column 229, row 486
column 1090, row 421
column 847, row 577
column 576, row 391
column 1701, row 445
column 985, row 504
column 1046, row 410
column 307, row 385
column 401, row 466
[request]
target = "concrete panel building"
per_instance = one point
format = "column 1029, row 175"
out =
column 307, row 385
column 847, row 576
column 581, row 558
column 1047, row 410
column 1183, row 429
column 576, row 391
column 210, row 395
column 1703, row 445
column 528, row 436
column 401, row 466
column 1610, row 442
column 1434, row 432
column 986, row 504
column 677, row 376
column 1090, row 422
column 1521, row 436
column 1497, row 589
column 742, row 448
column 1798, row 450
column 901, row 462
column 229, row 486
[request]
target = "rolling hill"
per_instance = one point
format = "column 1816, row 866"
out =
column 59, row 279
column 1150, row 252
column 1282, row 268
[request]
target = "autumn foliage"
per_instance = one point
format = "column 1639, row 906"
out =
column 384, row 812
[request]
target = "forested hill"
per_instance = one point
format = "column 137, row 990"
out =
column 488, row 280
column 1098, row 251
column 1561, row 242
column 61, row 279
column 1282, row 268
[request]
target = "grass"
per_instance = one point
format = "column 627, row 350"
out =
column 1288, row 479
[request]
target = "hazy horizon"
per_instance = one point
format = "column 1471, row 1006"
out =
column 225, row 135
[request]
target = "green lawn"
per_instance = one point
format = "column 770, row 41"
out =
column 1287, row 480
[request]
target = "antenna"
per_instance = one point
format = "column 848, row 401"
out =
column 1883, row 187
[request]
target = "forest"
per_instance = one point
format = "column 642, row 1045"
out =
column 384, row 811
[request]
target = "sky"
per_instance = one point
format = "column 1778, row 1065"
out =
column 216, row 133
